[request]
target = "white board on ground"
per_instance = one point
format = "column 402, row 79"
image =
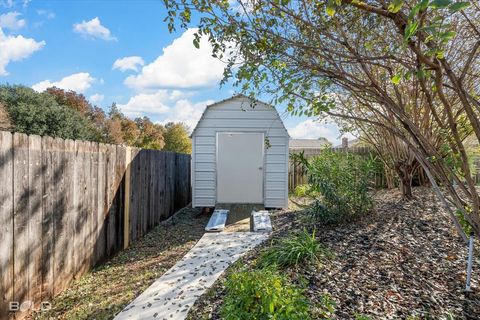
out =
column 261, row 221
column 217, row 221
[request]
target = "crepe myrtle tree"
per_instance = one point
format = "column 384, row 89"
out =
column 301, row 51
column 398, row 160
column 379, row 127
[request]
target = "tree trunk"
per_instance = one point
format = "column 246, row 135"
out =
column 389, row 177
column 405, row 173
column 406, row 188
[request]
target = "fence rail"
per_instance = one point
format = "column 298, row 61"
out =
column 67, row 205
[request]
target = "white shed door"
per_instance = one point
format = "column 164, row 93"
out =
column 240, row 167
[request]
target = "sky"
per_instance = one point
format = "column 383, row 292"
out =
column 122, row 52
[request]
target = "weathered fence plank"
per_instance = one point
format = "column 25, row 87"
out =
column 111, row 204
column 49, row 203
column 170, row 182
column 35, row 187
column 63, row 209
column 120, row 169
column 102, row 207
column 133, row 195
column 64, row 271
column 81, row 221
column 6, row 222
column 21, row 209
column 161, row 182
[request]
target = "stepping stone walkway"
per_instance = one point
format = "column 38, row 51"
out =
column 173, row 294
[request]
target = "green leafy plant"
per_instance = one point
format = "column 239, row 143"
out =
column 293, row 250
column 343, row 180
column 304, row 190
column 263, row 294
column 325, row 307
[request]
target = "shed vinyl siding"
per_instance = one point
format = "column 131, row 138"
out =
column 236, row 115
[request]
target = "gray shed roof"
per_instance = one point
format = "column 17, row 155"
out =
column 240, row 95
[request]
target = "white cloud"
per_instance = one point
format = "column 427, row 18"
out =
column 169, row 105
column 93, row 29
column 312, row 129
column 128, row 63
column 46, row 13
column 146, row 103
column 15, row 48
column 7, row 3
column 180, row 66
column 11, row 21
column 97, row 98
column 187, row 112
column 78, row 82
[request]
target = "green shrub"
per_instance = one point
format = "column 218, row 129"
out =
column 304, row 190
column 296, row 249
column 343, row 180
column 263, row 294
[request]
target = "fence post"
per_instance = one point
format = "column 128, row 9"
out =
column 126, row 206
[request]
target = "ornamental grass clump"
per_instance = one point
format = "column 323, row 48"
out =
column 301, row 248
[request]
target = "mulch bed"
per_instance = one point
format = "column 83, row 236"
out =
column 105, row 291
column 403, row 261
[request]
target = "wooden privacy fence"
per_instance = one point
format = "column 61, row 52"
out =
column 297, row 174
column 67, row 205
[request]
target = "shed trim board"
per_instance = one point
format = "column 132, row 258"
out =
column 233, row 116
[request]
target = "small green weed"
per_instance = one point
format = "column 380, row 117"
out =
column 304, row 190
column 325, row 308
column 293, row 250
column 359, row 316
column 263, row 294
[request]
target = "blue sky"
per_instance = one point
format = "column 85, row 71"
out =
column 118, row 51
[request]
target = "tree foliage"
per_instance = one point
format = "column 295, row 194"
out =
column 305, row 52
column 39, row 113
column 177, row 138
column 69, row 115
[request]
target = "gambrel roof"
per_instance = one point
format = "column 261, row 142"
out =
column 232, row 98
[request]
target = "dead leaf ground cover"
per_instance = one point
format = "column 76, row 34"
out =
column 106, row 290
column 402, row 261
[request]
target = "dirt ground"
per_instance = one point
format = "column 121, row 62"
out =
column 403, row 261
column 105, row 291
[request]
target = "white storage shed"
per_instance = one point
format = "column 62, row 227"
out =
column 240, row 155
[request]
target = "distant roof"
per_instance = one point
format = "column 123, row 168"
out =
column 308, row 143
